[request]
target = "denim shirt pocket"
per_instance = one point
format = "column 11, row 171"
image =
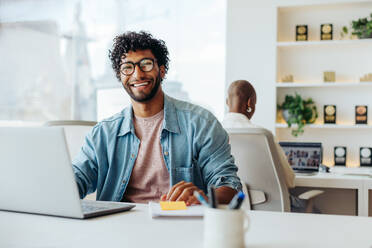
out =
column 183, row 173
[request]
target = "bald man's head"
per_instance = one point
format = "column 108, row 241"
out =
column 242, row 98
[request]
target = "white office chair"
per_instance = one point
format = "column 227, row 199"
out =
column 257, row 158
column 75, row 131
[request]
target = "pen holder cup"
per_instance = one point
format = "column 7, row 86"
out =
column 225, row 227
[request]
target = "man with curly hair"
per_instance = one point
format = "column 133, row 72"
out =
column 159, row 148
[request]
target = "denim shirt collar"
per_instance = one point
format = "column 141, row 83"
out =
column 170, row 122
column 170, row 116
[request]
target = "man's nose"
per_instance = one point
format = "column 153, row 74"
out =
column 138, row 73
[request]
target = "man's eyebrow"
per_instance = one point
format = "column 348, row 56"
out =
column 122, row 58
column 125, row 61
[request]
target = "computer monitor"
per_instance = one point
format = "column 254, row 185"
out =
column 303, row 156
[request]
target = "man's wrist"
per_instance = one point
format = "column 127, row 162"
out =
column 224, row 194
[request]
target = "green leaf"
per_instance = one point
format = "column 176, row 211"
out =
column 345, row 30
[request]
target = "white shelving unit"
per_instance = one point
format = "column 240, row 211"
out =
column 328, row 84
column 323, row 43
column 327, row 126
column 307, row 60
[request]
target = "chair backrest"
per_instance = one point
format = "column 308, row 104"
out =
column 75, row 132
column 257, row 158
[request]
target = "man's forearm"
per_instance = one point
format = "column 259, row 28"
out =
column 224, row 194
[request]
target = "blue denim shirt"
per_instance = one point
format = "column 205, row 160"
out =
column 195, row 148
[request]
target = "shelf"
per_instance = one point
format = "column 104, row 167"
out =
column 328, row 84
column 281, row 44
column 329, row 126
column 292, row 7
column 364, row 170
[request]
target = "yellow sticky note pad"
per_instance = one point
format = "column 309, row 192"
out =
column 173, row 205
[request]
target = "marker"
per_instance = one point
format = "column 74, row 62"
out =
column 200, row 198
column 237, row 201
column 212, row 197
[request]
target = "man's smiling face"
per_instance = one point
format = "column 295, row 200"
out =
column 141, row 86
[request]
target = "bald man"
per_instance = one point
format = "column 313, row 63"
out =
column 241, row 102
column 242, row 105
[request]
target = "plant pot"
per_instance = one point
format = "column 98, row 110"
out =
column 285, row 114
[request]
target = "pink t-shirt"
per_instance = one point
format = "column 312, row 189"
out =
column 150, row 177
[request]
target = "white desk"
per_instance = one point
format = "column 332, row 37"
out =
column 137, row 229
column 362, row 184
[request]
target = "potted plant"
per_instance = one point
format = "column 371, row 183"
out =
column 296, row 110
column 362, row 28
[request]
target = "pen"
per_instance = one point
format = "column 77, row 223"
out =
column 237, row 201
column 200, row 198
column 212, row 197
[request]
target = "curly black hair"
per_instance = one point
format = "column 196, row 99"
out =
column 133, row 41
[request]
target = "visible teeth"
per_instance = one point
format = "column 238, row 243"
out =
column 138, row 85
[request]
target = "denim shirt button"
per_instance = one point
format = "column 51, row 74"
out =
column 124, row 181
column 132, row 155
column 166, row 153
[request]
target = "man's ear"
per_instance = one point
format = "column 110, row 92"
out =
column 162, row 71
column 249, row 102
column 227, row 101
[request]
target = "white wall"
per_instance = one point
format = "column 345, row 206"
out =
column 250, row 53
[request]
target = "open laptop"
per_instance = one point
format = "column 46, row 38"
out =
column 37, row 176
column 303, row 157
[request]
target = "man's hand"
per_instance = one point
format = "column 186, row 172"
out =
column 183, row 191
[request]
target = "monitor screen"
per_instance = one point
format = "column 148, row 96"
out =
column 303, row 155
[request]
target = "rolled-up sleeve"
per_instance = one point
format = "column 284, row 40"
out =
column 215, row 158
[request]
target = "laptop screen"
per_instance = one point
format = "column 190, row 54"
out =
column 304, row 156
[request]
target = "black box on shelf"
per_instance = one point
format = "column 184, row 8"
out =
column 326, row 31
column 361, row 112
column 339, row 153
column 301, row 32
column 330, row 114
column 365, row 156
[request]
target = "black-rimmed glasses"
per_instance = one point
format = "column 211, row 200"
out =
column 145, row 65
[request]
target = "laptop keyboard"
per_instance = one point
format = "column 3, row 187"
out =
column 95, row 206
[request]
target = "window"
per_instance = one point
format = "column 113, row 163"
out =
column 55, row 54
